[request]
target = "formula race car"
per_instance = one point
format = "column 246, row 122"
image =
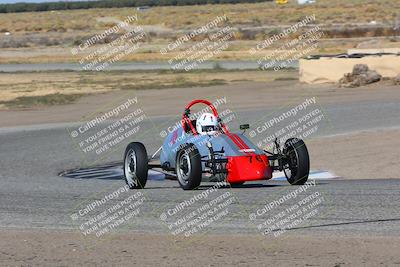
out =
column 204, row 145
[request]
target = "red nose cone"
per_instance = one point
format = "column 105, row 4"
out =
column 248, row 168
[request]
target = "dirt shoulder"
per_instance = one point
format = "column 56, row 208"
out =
column 51, row 248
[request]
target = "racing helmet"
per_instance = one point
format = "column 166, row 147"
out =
column 207, row 124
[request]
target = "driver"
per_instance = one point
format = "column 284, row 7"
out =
column 207, row 124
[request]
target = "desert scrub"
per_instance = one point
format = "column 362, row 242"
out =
column 45, row 100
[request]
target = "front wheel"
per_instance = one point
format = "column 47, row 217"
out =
column 135, row 165
column 188, row 167
column 296, row 161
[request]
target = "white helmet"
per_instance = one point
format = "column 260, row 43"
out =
column 207, row 124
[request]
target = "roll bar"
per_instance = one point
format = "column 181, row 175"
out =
column 186, row 113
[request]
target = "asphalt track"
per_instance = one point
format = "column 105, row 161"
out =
column 33, row 195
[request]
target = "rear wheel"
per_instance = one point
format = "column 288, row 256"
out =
column 135, row 165
column 296, row 161
column 188, row 167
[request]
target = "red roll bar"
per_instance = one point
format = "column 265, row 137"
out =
column 186, row 120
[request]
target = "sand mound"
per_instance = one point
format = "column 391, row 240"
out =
column 396, row 80
column 361, row 75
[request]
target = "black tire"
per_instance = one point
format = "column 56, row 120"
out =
column 238, row 184
column 135, row 165
column 188, row 167
column 297, row 161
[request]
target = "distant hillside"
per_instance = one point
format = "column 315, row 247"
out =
column 29, row 7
